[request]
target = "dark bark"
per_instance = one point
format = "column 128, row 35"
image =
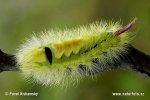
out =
column 7, row 62
column 134, row 59
column 137, row 60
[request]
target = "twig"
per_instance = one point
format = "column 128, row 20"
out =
column 133, row 59
column 7, row 62
column 137, row 60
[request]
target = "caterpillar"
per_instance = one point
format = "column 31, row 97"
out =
column 58, row 57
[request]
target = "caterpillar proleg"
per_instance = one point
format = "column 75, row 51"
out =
column 54, row 57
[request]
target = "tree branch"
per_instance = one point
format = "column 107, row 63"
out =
column 133, row 59
column 137, row 60
column 7, row 62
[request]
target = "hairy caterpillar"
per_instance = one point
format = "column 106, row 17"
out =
column 56, row 57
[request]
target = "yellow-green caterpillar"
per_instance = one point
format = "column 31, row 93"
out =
column 56, row 57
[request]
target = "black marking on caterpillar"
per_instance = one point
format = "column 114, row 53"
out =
column 48, row 53
column 90, row 49
column 68, row 70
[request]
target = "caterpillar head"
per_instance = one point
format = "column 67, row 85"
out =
column 59, row 57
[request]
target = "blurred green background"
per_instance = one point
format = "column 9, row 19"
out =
column 21, row 18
